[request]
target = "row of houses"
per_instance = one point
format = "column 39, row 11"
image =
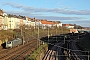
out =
column 9, row 21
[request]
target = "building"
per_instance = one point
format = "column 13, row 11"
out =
column 1, row 19
column 50, row 24
column 68, row 25
column 10, row 21
column 73, row 30
column 5, row 17
column 57, row 24
column 30, row 22
column 45, row 24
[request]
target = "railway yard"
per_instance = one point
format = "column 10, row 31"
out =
column 65, row 47
column 44, row 30
column 60, row 47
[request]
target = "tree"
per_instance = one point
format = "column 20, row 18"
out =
column 78, row 26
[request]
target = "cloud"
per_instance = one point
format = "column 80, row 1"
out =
column 83, row 23
column 39, row 13
column 54, row 10
column 23, row 13
column 36, row 12
column 58, row 18
column 41, row 16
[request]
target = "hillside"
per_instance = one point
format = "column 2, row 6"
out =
column 31, row 33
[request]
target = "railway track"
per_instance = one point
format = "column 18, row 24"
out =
column 24, row 53
column 18, row 51
column 74, row 52
column 77, row 54
column 54, row 53
column 71, row 48
column 50, row 55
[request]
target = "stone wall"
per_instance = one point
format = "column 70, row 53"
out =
column 42, row 53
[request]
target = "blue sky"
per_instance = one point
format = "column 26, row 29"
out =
column 66, row 11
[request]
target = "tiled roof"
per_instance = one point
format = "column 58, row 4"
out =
column 67, row 25
column 46, row 22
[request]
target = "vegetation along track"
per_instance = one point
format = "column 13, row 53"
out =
column 18, row 51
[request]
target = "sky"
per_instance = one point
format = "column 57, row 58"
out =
column 66, row 11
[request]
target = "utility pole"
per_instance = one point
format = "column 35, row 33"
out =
column 62, row 29
column 64, row 39
column 38, row 36
column 22, row 36
column 88, row 55
column 48, row 34
column 56, row 33
column 56, row 30
column 38, row 42
column 21, row 31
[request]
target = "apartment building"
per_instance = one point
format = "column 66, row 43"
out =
column 50, row 24
column 68, row 25
column 1, row 19
column 9, row 21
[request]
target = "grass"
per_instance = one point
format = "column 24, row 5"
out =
column 36, row 52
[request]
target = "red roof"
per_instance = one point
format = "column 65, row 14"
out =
column 65, row 24
column 46, row 22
